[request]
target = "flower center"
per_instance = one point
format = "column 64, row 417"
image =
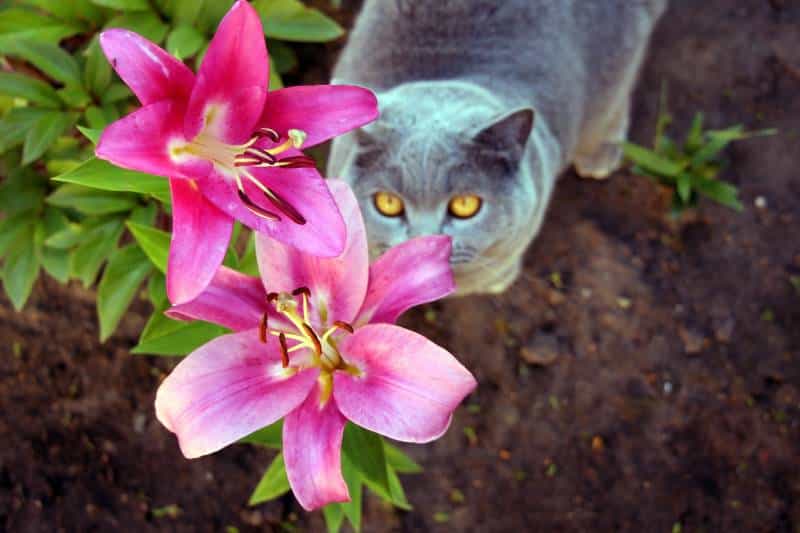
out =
column 323, row 349
column 236, row 160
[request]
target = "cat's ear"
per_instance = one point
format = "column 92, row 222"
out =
column 508, row 134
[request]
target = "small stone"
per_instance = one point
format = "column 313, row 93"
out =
column 624, row 303
column 543, row 350
column 505, row 455
column 760, row 202
column 586, row 293
column 597, row 443
column 693, row 341
column 139, row 421
column 668, row 387
column 555, row 297
column 723, row 331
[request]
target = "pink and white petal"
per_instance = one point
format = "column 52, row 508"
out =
column 408, row 387
column 200, row 237
column 337, row 284
column 412, row 273
column 141, row 141
column 232, row 82
column 312, row 445
column 321, row 111
column 226, row 389
column 150, row 72
column 322, row 234
column 232, row 299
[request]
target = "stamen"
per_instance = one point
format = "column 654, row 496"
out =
column 313, row 338
column 301, row 290
column 255, row 209
column 271, row 134
column 262, row 328
column 262, row 155
column 284, row 350
column 285, row 207
column 296, row 161
column 343, row 325
column 272, row 297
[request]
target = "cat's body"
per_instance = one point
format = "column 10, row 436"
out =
column 456, row 81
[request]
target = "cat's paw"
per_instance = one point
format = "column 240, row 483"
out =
column 601, row 163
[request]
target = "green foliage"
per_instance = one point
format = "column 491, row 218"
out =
column 56, row 96
column 690, row 169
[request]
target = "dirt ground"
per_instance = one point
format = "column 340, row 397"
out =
column 670, row 396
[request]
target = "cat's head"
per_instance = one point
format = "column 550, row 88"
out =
column 447, row 158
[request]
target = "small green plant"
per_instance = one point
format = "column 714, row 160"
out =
column 690, row 169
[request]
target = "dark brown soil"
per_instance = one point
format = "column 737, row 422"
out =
column 671, row 399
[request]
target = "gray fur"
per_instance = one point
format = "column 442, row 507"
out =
column 456, row 80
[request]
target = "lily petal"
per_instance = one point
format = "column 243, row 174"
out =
column 408, row 387
column 321, row 111
column 413, row 273
column 337, row 284
column 324, row 232
column 140, row 141
column 150, row 72
column 232, row 300
column 312, row 443
column 200, row 237
column 232, row 81
column 227, row 389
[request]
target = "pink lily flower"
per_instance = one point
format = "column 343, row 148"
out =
column 314, row 342
column 229, row 147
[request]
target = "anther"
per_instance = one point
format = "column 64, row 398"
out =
column 296, row 161
column 271, row 134
column 313, row 337
column 302, row 290
column 285, row 207
column 255, row 209
column 272, row 297
column 262, row 328
column 262, row 155
column 284, row 350
column 343, row 325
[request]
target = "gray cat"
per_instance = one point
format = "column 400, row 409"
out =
column 483, row 103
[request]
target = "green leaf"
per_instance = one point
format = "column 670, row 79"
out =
column 352, row 477
column 248, row 264
column 21, row 24
column 651, row 161
column 273, row 484
column 22, row 263
column 185, row 41
column 29, row 88
column 275, row 81
column 694, row 139
column 163, row 336
column 684, row 188
column 97, row 73
column 282, row 56
column 154, row 242
column 92, row 134
column 116, row 92
column 15, row 125
column 91, row 201
column 719, row 191
column 14, row 228
column 720, row 139
column 100, row 117
column 269, row 436
column 144, row 215
column 49, row 58
column 44, row 133
column 663, row 121
column 56, row 263
column 398, row 494
column 186, row 11
column 364, row 449
column 157, row 291
column 126, row 270
column 334, row 516
column 95, row 246
column 146, row 24
column 124, row 5
column 100, row 174
column 290, row 20
column 73, row 11
column 74, row 96
column 399, row 461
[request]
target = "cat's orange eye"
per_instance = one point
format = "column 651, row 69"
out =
column 388, row 204
column 465, row 205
